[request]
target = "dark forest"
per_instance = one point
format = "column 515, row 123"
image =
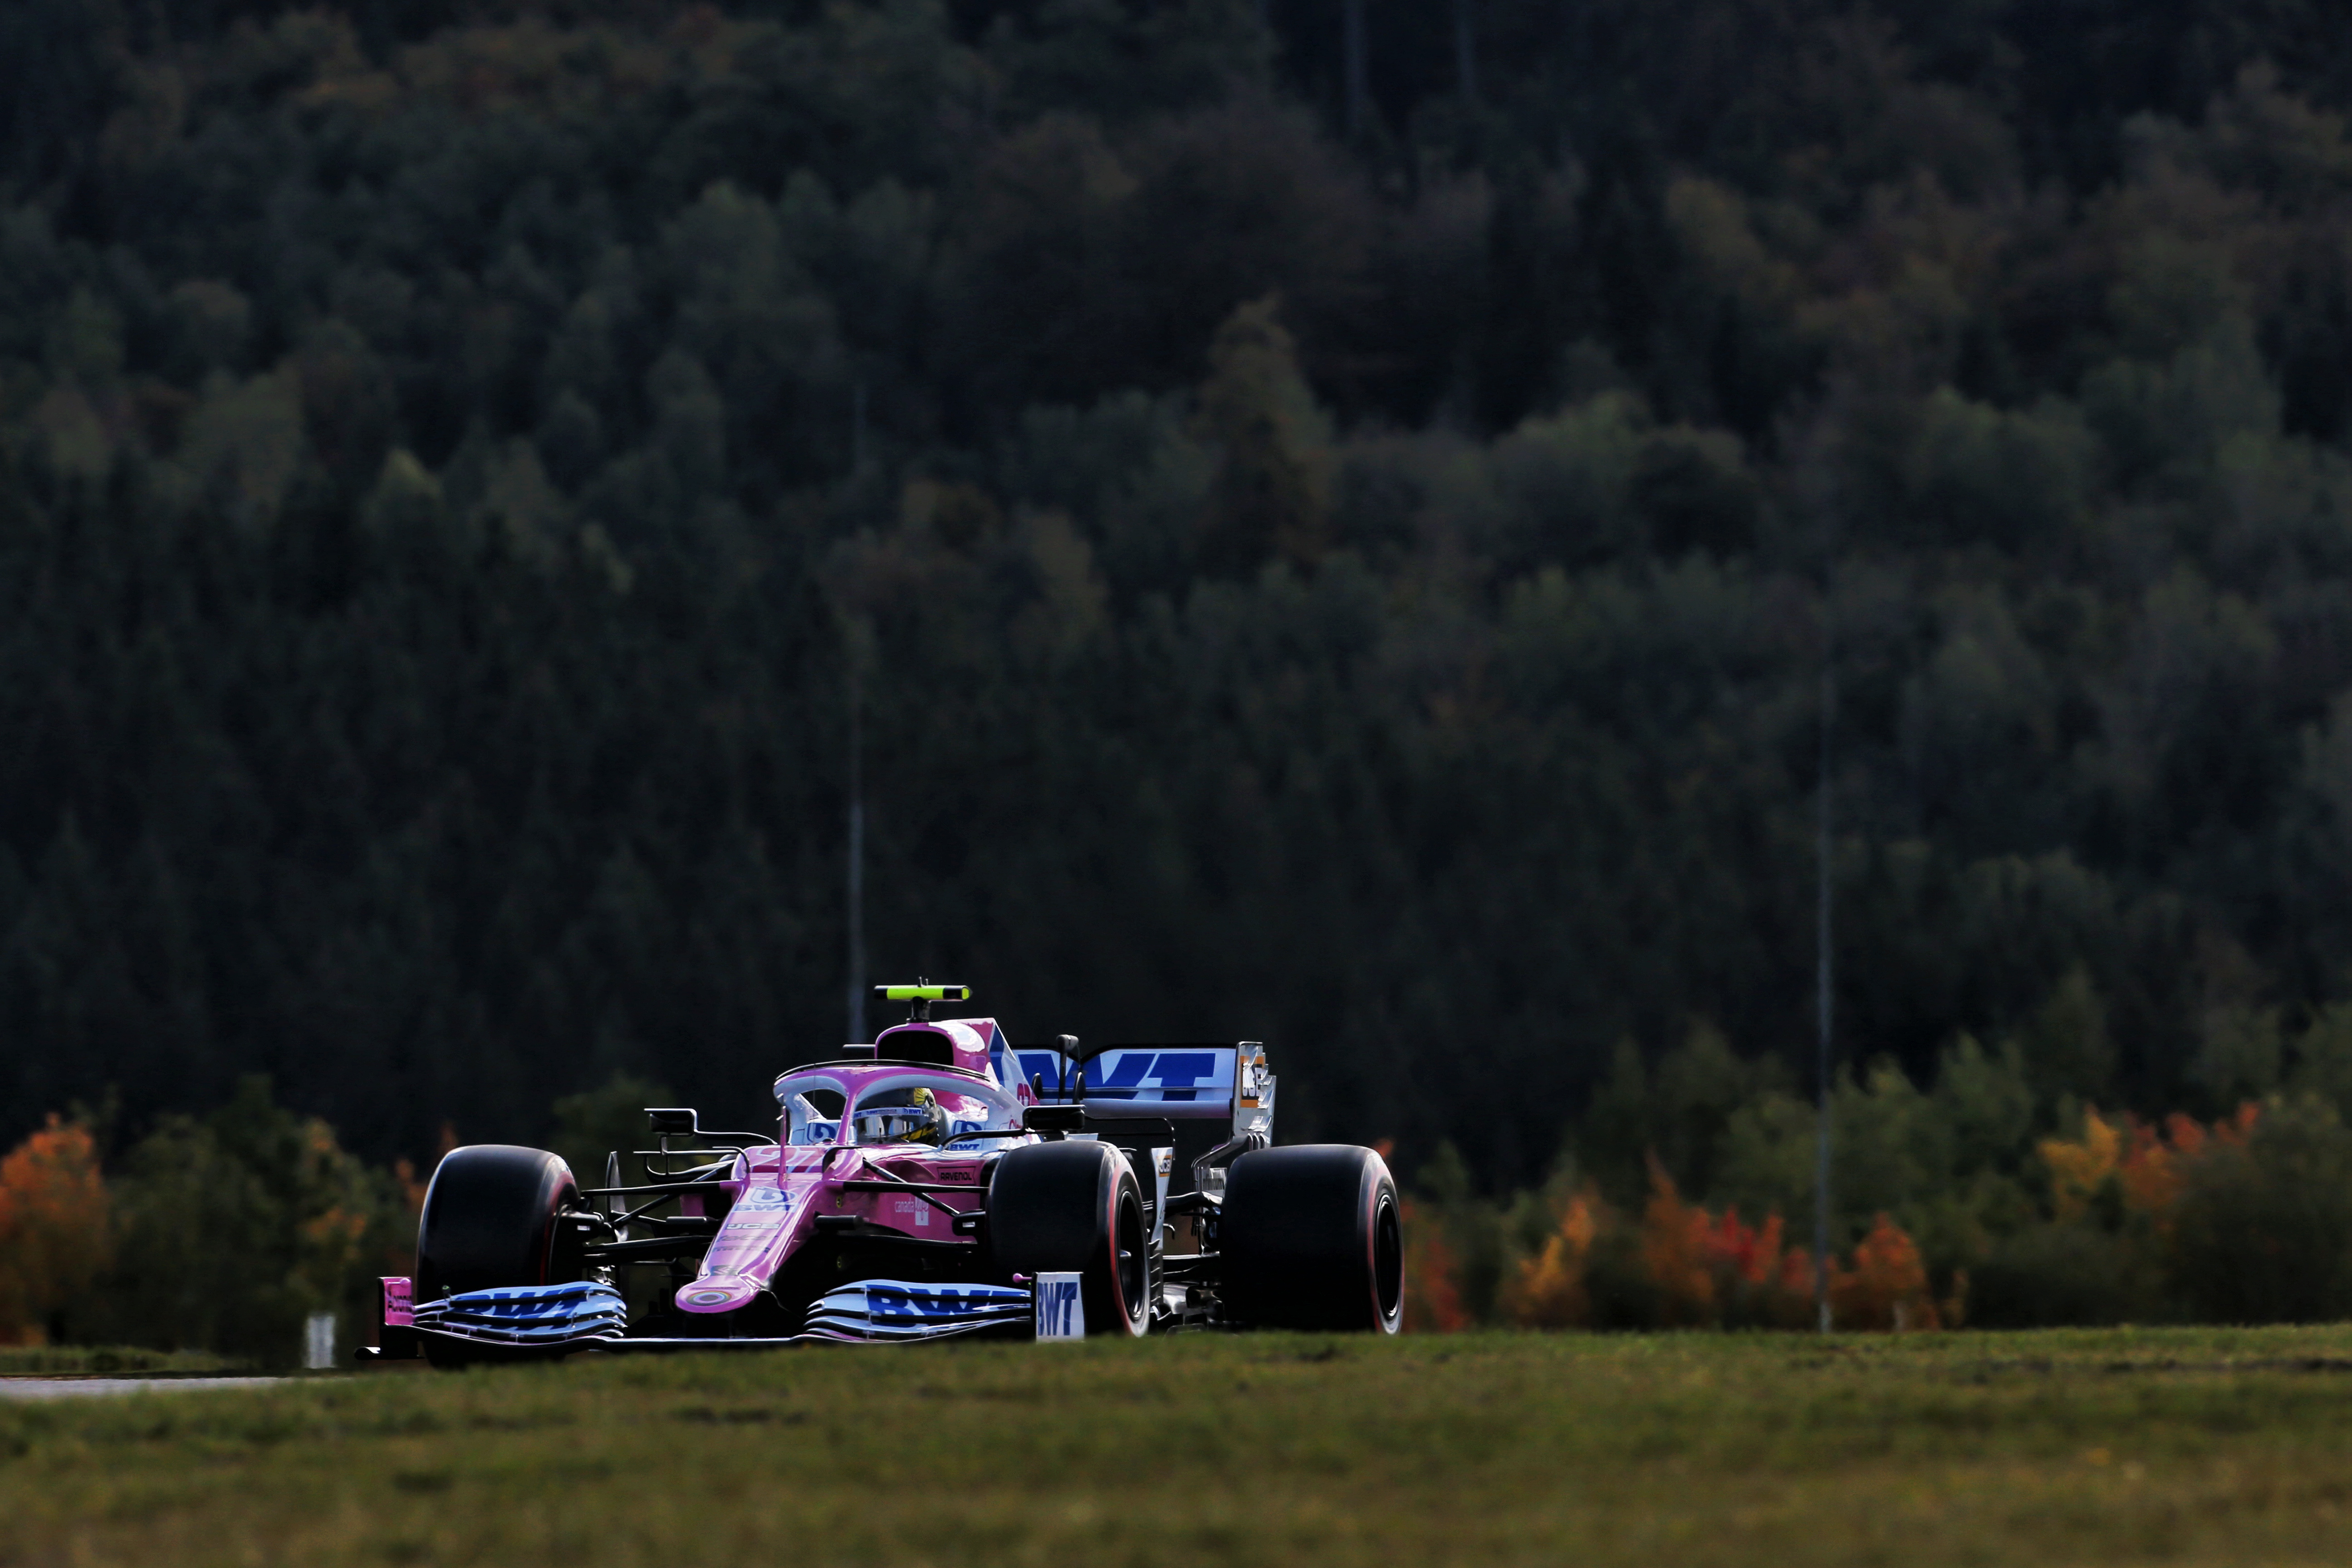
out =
column 1326, row 520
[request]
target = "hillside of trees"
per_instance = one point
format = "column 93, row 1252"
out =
column 1325, row 518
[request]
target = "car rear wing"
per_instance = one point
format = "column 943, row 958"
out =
column 1213, row 1094
column 1181, row 1082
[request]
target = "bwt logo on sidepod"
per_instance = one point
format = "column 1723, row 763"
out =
column 1060, row 1314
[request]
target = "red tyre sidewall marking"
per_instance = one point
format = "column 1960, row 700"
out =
column 1110, row 1228
column 1372, row 1249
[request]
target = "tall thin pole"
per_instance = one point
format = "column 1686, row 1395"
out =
column 1466, row 52
column 1824, row 1008
column 1356, row 47
column 857, row 1035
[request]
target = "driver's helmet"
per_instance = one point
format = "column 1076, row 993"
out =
column 921, row 1118
column 935, row 1119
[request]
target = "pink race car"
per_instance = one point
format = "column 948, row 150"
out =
column 939, row 1182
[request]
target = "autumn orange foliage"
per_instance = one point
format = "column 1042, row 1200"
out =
column 1709, row 1269
column 1549, row 1292
column 53, row 1227
column 2148, row 1164
column 1432, row 1300
column 1703, row 1269
column 1675, row 1253
column 1886, row 1289
column 1682, row 1265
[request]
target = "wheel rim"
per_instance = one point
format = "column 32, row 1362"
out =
column 1387, row 1258
column 1131, row 1261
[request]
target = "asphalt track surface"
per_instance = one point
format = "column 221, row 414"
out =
column 90, row 1387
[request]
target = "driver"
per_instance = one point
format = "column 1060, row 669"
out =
column 933, row 1128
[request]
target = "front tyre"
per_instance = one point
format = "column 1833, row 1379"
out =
column 1310, row 1237
column 490, row 1220
column 1075, row 1208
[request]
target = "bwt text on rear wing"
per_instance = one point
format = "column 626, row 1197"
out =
column 1218, row 1097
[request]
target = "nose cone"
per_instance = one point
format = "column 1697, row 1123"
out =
column 717, row 1293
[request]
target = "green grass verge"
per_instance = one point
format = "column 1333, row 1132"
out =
column 2188, row 1446
column 75, row 1361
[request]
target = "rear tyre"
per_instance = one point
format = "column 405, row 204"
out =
column 1311, row 1237
column 1075, row 1208
column 490, row 1220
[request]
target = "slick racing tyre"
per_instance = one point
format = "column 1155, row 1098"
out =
column 1075, row 1208
column 1310, row 1238
column 489, row 1220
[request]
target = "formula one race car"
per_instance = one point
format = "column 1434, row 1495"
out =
column 939, row 1182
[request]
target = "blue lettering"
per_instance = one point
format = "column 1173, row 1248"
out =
column 1181, row 1068
column 1130, row 1070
